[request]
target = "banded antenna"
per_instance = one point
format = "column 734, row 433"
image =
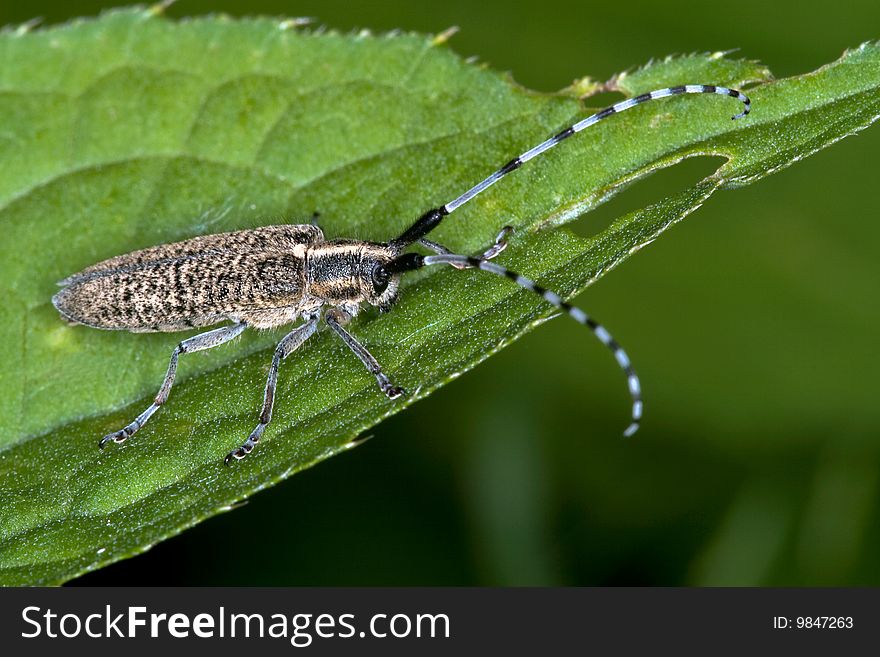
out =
column 432, row 218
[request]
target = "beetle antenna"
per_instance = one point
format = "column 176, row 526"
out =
column 411, row 261
column 432, row 218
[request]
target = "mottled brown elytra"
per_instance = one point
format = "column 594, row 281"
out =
column 276, row 275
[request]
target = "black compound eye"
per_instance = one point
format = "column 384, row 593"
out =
column 380, row 277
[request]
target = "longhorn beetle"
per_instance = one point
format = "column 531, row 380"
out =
column 274, row 275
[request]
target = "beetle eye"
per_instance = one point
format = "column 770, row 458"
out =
column 380, row 278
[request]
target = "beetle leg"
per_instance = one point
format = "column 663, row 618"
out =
column 289, row 343
column 336, row 318
column 196, row 343
column 499, row 245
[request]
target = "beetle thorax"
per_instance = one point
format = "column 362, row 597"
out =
column 344, row 272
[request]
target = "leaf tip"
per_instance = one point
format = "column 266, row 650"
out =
column 444, row 36
column 28, row 26
column 355, row 442
column 584, row 88
column 293, row 23
column 159, row 8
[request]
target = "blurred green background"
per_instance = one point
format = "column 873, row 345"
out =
column 753, row 325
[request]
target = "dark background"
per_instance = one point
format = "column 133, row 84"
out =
column 753, row 325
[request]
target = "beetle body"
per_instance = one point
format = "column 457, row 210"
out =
column 264, row 277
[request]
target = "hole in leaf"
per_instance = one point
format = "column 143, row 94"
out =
column 603, row 99
column 642, row 193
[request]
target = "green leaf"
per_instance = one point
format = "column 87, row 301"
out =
column 133, row 130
